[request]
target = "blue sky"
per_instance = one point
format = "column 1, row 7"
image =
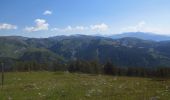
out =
column 44, row 18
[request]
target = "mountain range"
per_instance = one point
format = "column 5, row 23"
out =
column 123, row 50
column 142, row 35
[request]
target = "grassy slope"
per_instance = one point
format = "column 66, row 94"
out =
column 66, row 86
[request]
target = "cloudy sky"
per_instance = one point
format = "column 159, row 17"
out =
column 44, row 18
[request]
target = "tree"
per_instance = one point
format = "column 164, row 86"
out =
column 71, row 67
column 108, row 68
column 2, row 69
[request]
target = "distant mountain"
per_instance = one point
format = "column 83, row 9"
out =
column 123, row 52
column 142, row 35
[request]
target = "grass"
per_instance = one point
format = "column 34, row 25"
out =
column 67, row 86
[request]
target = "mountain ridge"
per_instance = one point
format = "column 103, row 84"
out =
column 127, row 51
column 142, row 35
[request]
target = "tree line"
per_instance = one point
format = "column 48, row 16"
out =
column 91, row 67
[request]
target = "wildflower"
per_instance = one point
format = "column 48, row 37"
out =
column 98, row 90
column 19, row 79
column 137, row 83
column 168, row 88
column 88, row 95
column 39, row 93
column 115, row 79
column 9, row 98
column 155, row 98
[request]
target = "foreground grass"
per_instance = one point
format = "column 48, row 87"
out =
column 67, row 86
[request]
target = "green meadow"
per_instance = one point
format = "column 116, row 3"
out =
column 75, row 86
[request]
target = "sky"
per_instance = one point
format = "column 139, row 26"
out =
column 46, row 18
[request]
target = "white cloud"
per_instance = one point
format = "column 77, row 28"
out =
column 47, row 12
column 41, row 25
column 99, row 27
column 81, row 28
column 68, row 28
column 5, row 26
column 71, row 29
column 91, row 28
column 135, row 28
column 144, row 27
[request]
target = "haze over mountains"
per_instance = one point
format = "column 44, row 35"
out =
column 124, row 50
column 142, row 35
